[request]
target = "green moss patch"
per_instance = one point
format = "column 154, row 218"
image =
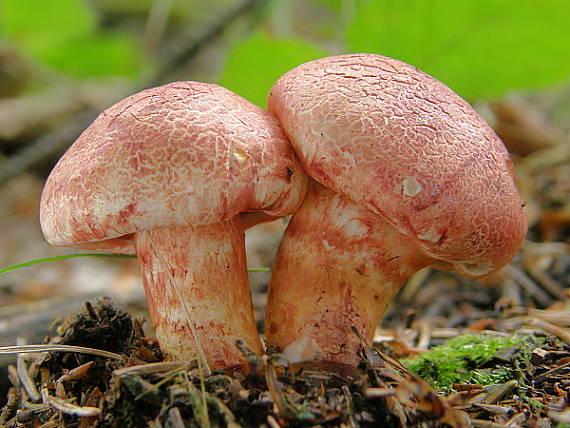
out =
column 471, row 359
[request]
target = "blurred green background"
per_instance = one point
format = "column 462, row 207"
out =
column 480, row 48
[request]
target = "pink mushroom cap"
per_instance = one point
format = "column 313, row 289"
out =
column 183, row 154
column 403, row 145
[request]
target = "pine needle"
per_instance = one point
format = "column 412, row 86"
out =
column 31, row 349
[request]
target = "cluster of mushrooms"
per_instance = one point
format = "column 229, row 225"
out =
column 383, row 168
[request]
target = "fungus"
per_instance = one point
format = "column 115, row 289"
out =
column 170, row 174
column 406, row 175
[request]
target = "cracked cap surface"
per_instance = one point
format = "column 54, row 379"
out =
column 402, row 144
column 183, row 154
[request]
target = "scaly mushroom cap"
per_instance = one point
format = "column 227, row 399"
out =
column 403, row 145
column 186, row 153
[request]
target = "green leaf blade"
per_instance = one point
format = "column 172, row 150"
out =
column 38, row 27
column 480, row 48
column 253, row 65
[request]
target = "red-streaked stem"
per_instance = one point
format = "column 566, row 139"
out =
column 196, row 284
column 338, row 267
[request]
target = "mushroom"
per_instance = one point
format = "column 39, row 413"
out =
column 406, row 175
column 164, row 174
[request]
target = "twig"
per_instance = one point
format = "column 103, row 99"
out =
column 546, row 248
column 46, row 147
column 26, row 414
column 53, row 423
column 547, row 374
column 253, row 360
column 511, row 294
column 24, row 376
column 385, row 335
column 560, row 333
column 547, row 282
column 424, row 339
column 13, row 376
column 557, row 317
column 73, row 374
column 145, row 369
column 11, row 406
column 496, row 392
column 193, row 45
column 495, row 409
column 156, row 24
column 73, row 409
column 284, row 409
column 175, row 418
column 272, row 422
column 413, row 284
column 479, row 423
column 528, row 284
column 375, row 392
column 546, row 158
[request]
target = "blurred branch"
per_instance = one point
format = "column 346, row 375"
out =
column 50, row 146
column 193, row 45
column 23, row 115
column 47, row 146
column 156, row 24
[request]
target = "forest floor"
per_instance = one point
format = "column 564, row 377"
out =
column 507, row 366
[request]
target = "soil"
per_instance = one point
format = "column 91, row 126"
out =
column 138, row 389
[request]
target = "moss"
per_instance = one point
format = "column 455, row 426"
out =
column 466, row 360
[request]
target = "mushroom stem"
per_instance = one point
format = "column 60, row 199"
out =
column 195, row 280
column 338, row 267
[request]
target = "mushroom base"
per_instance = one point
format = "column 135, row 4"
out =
column 337, row 269
column 196, row 285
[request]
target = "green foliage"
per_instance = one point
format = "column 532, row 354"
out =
column 63, row 34
column 480, row 48
column 98, row 55
column 39, row 27
column 462, row 360
column 254, row 64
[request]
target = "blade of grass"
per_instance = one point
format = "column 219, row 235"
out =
column 57, row 258
column 74, row 256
